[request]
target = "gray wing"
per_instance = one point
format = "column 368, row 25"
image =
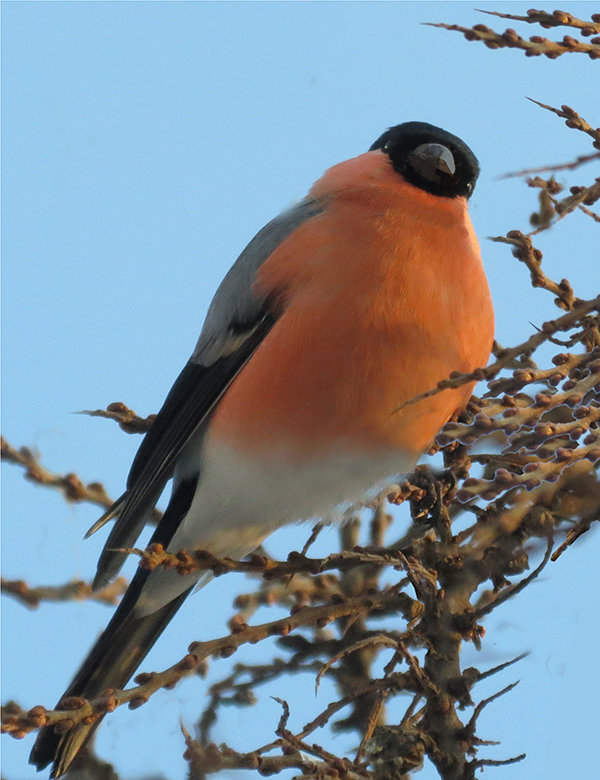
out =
column 236, row 323
column 235, row 309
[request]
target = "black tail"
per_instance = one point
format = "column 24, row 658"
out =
column 120, row 649
column 110, row 663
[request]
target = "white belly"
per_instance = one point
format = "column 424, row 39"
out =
column 239, row 501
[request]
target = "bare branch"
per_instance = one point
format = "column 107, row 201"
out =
column 72, row 488
column 128, row 420
column 570, row 166
column 75, row 710
column 555, row 19
column 71, row 591
column 534, row 47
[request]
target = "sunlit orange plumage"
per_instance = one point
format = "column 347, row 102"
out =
column 385, row 296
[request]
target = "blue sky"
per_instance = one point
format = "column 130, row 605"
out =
column 143, row 145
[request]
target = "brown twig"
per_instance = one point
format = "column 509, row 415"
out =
column 72, row 488
column 184, row 562
column 573, row 120
column 76, row 710
column 554, row 19
column 570, row 166
column 534, row 47
column 128, row 420
column 71, row 591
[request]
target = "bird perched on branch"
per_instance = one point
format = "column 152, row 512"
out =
column 366, row 294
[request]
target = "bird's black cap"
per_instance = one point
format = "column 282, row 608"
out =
column 419, row 152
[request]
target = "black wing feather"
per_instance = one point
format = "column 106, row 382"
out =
column 237, row 321
column 188, row 405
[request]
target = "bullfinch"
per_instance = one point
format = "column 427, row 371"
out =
column 367, row 293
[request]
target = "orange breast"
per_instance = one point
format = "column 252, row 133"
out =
column 385, row 295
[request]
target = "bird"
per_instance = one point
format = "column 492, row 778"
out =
column 294, row 402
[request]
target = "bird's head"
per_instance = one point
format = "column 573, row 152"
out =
column 430, row 158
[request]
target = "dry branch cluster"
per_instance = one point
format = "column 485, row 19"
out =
column 536, row 45
column 520, row 472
